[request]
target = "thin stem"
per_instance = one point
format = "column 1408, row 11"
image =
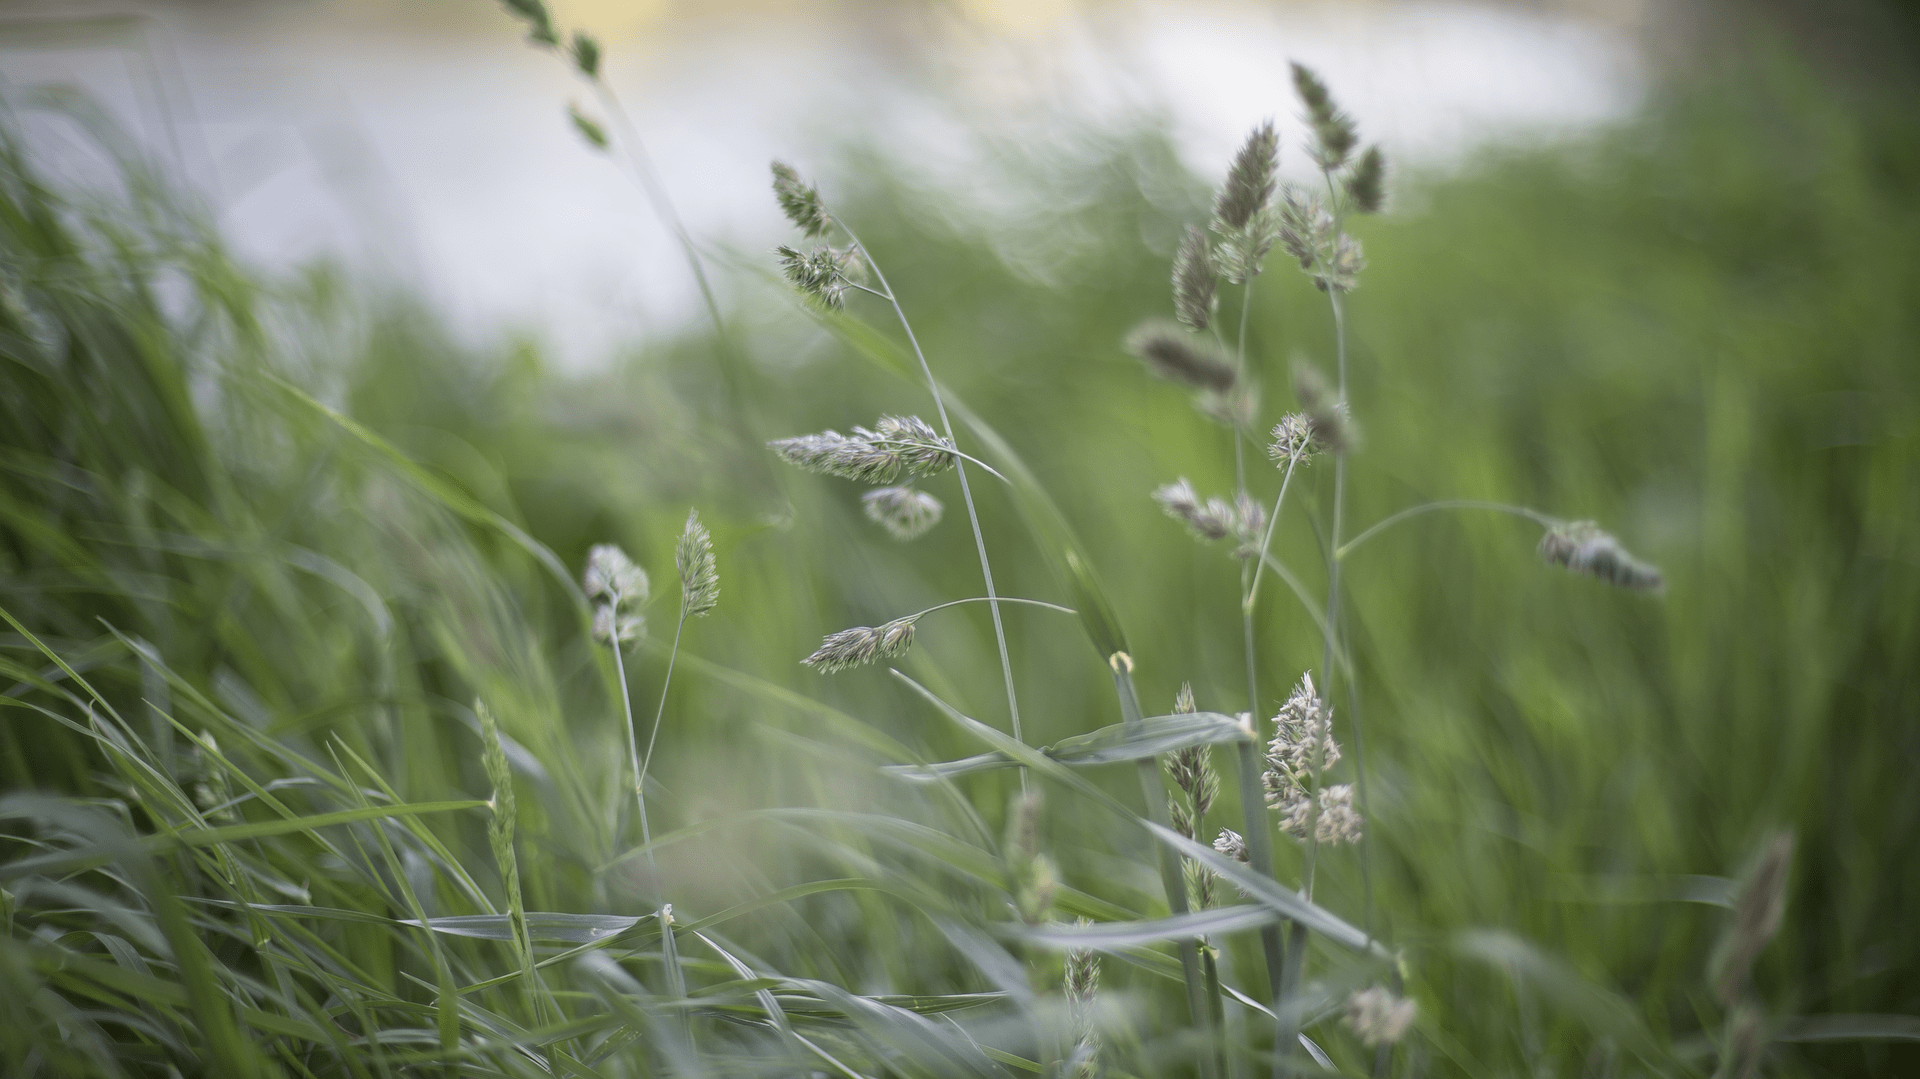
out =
column 966, row 491
column 910, row 443
column 1266, row 541
column 1535, row 516
column 669, row 952
column 998, row 599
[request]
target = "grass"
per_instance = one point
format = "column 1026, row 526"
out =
column 264, row 545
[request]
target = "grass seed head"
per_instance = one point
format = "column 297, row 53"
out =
column 610, row 627
column 590, row 129
column 1193, row 288
column 822, row 274
column 800, row 201
column 862, row 645
column 1583, row 547
column 586, row 54
column 1378, row 1017
column 1292, row 440
column 612, row 574
column 699, row 577
column 905, row 512
column 1336, row 822
column 1232, row 844
column 1334, row 134
column 857, row 457
column 1340, row 272
column 1758, row 909
column 922, row 449
column 1249, row 183
column 1366, row 184
column 539, row 21
column 1211, row 521
column 1178, row 356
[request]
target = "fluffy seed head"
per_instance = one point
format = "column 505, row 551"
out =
column 1378, row 1017
column 904, row 512
column 1240, row 252
column 862, row 645
column 1292, row 440
column 1249, row 180
column 1200, row 880
column 610, row 627
column 823, row 273
column 1340, row 272
column 699, row 578
column 1334, row 135
column 1302, row 721
column 1193, row 296
column 612, row 574
column 921, row 448
column 1232, row 844
column 1209, row 522
column 1582, row 547
column 1178, row 356
column 799, row 200
column 1366, row 184
column 1305, row 226
column 1183, row 700
column 1336, row 822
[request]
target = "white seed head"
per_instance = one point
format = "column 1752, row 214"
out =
column 1336, row 822
column 1211, row 521
column 1292, row 440
column 1582, row 547
column 904, row 512
column 1378, row 1017
column 861, row 645
column 699, row 577
column 1301, row 722
column 612, row 574
column 1232, row 844
column 609, row 627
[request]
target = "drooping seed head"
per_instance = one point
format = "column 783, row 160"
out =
column 1193, row 291
column 699, row 577
column 799, row 200
column 861, row 645
column 924, row 451
column 1367, row 183
column 822, row 273
column 835, row 454
column 1582, row 547
column 1178, row 356
column 1212, row 521
column 612, row 574
column 1377, row 1017
column 1249, row 179
column 1334, row 135
column 906, row 513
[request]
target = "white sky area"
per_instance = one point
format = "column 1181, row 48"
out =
column 433, row 152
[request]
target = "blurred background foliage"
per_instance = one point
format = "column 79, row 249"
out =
column 1698, row 328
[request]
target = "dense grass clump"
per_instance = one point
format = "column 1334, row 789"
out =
column 318, row 760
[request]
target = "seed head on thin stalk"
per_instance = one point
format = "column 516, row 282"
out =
column 539, row 22
column 822, row 273
column 1340, row 270
column 589, row 128
column 896, row 445
column 905, row 512
column 1293, row 441
column 612, row 574
column 699, row 578
column 1193, row 287
column 609, row 627
column 1301, row 722
column 1334, row 134
column 1582, row 547
column 800, row 201
column 1305, row 226
column 1366, row 184
column 586, row 54
column 1250, row 178
column 861, row 645
column 1178, row 356
column 1082, row 984
column 1243, row 519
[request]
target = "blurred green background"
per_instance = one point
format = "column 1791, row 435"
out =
column 1700, row 328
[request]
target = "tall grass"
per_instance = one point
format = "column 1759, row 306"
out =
column 254, row 591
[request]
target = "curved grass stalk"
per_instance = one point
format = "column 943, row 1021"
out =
column 966, row 491
column 1533, row 515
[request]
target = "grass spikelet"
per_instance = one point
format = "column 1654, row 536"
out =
column 1193, row 288
column 1758, row 909
column 1366, row 184
column 1082, row 985
column 1211, row 521
column 822, row 274
column 586, row 54
column 589, row 128
column 896, row 445
column 1378, row 1017
column 800, row 201
column 609, row 626
column 924, row 451
column 1334, row 135
column 612, row 574
column 1249, row 182
column 539, row 21
column 1583, row 547
column 861, row 645
column 1292, row 440
column 1178, row 356
column 699, row 577
column 905, row 512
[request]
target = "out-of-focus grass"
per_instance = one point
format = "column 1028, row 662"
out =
column 1699, row 329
